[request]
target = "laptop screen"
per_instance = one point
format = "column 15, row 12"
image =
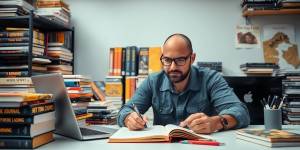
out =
column 251, row 90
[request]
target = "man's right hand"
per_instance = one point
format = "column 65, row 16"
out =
column 134, row 122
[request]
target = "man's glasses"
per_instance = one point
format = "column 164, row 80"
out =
column 180, row 61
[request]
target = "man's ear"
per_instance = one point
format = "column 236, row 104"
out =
column 193, row 57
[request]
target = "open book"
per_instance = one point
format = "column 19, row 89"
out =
column 155, row 133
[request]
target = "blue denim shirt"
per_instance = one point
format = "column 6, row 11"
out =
column 207, row 92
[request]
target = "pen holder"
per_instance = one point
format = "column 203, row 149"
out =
column 272, row 119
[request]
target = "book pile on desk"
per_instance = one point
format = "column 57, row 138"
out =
column 80, row 93
column 211, row 65
column 26, row 120
column 259, row 69
column 270, row 138
column 291, row 91
column 11, row 8
column 104, row 113
column 56, row 10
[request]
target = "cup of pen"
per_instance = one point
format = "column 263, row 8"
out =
column 272, row 118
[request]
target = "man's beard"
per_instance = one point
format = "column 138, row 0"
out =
column 177, row 76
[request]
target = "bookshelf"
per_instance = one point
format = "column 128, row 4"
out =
column 271, row 12
column 41, row 23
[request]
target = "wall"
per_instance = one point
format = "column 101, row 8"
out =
column 101, row 24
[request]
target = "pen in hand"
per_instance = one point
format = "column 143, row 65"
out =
column 137, row 111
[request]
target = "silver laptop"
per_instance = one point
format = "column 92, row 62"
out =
column 66, row 123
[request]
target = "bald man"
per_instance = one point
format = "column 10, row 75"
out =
column 184, row 95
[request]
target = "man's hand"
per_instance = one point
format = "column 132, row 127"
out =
column 201, row 123
column 134, row 122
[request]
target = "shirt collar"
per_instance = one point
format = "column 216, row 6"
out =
column 194, row 81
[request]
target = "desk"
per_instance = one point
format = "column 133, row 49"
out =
column 227, row 137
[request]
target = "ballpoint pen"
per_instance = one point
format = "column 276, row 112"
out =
column 137, row 111
column 201, row 142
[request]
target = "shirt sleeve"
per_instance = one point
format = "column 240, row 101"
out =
column 225, row 101
column 141, row 98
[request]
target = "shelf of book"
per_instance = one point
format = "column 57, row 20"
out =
column 250, row 13
column 39, row 22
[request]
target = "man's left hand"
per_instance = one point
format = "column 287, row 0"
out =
column 201, row 123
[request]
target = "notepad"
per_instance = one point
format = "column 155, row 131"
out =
column 155, row 133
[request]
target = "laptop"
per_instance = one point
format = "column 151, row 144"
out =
column 250, row 90
column 66, row 123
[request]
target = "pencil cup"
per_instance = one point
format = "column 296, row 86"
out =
column 272, row 119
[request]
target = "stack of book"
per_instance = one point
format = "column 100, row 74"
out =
column 211, row 65
column 80, row 93
column 114, row 90
column 59, row 45
column 291, row 91
column 270, row 138
column 56, row 10
column 14, row 49
column 26, row 120
column 11, row 8
column 103, row 113
column 259, row 69
column 252, row 5
column 21, row 84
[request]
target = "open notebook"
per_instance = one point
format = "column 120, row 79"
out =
column 155, row 133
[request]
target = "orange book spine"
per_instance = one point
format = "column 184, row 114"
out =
column 111, row 61
column 154, row 59
column 127, row 89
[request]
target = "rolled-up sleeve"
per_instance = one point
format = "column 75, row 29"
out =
column 142, row 100
column 225, row 101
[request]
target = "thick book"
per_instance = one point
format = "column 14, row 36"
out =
column 155, row 133
column 270, row 138
column 26, row 131
column 28, row 110
column 25, row 120
column 26, row 143
column 22, row 97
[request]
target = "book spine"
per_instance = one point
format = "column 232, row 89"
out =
column 123, row 61
column 16, row 143
column 28, row 110
column 14, row 74
column 111, row 60
column 6, row 34
column 10, row 81
column 127, row 69
column 143, row 61
column 118, row 60
column 19, row 39
column 133, row 61
column 19, row 130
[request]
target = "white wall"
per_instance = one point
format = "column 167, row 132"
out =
column 101, row 24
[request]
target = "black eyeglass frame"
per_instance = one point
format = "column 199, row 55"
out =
column 175, row 60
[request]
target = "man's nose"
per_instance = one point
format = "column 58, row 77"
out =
column 173, row 65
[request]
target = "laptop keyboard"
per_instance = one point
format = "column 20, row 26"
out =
column 85, row 131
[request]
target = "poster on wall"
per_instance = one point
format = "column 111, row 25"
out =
column 279, row 45
column 247, row 36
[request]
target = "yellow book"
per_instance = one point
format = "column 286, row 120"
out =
column 154, row 59
column 113, row 89
column 155, row 133
column 23, row 97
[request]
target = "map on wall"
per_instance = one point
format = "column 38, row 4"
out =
column 279, row 45
column 247, row 36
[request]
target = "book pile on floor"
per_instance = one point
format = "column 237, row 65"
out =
column 104, row 113
column 270, row 138
column 80, row 93
column 26, row 120
column 291, row 91
column 14, row 51
column 56, row 10
column 10, row 8
column 259, row 69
